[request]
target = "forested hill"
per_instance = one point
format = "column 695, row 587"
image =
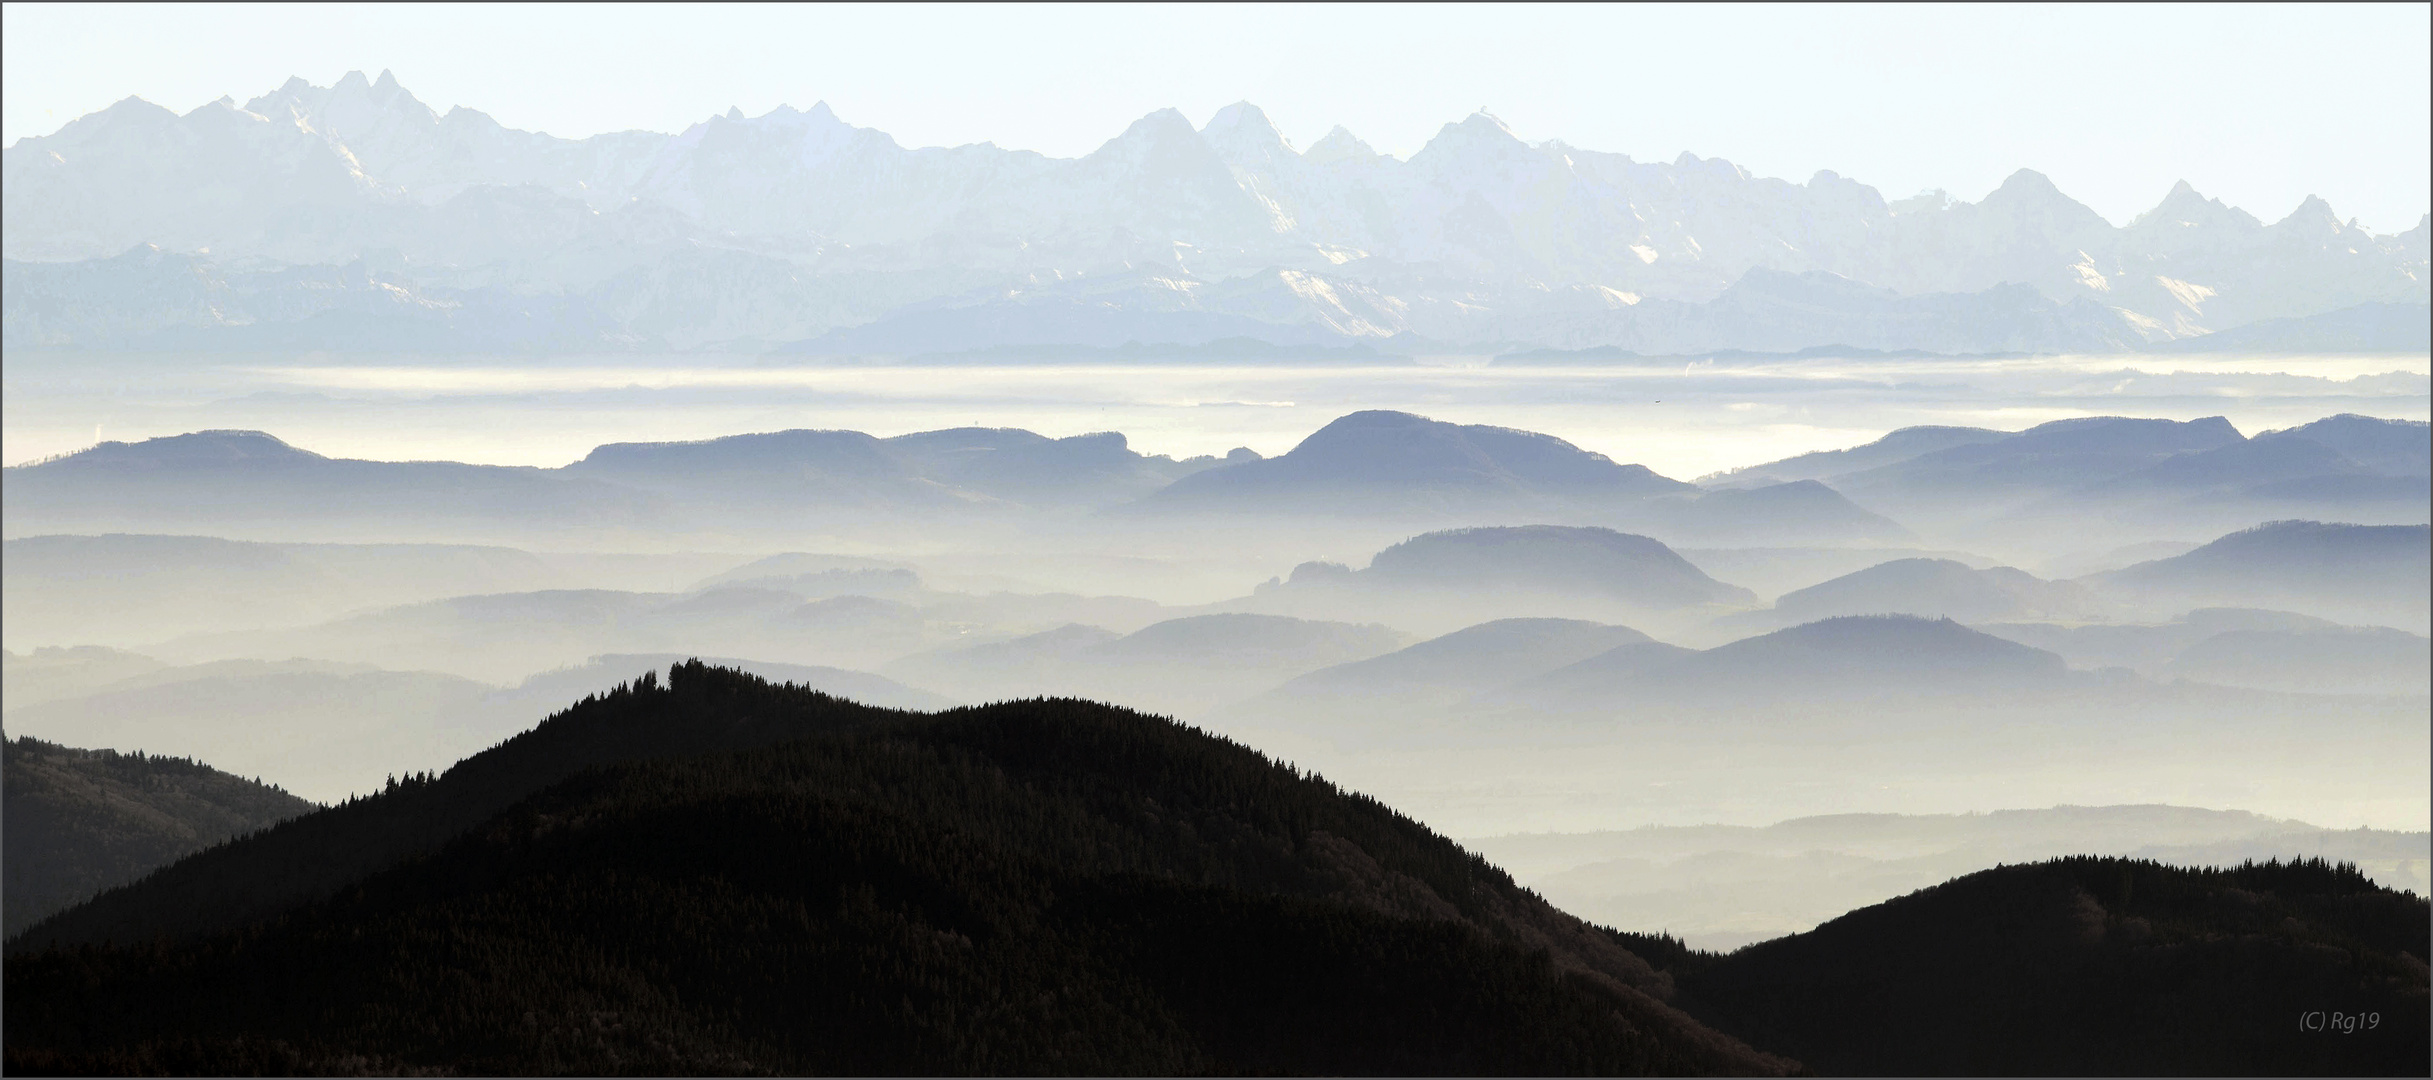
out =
column 313, row 856
column 2091, row 967
column 720, row 875
column 80, row 821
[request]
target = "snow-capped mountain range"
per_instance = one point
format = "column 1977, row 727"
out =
column 355, row 217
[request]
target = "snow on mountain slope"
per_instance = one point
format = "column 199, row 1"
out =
column 790, row 225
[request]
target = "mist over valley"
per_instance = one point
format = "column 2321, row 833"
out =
column 763, row 598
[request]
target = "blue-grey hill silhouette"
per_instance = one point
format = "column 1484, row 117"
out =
column 1383, row 461
column 1572, row 560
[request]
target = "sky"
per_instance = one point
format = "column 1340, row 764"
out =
column 2259, row 105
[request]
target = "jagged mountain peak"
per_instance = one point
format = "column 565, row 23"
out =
column 1164, row 133
column 225, row 106
column 2185, row 207
column 1828, row 180
column 1514, row 230
column 132, row 106
column 1480, row 128
column 1339, row 145
column 2028, row 188
column 1688, row 162
column 2313, row 215
column 351, row 107
column 1164, row 148
column 1244, row 118
column 459, row 114
column 2028, row 195
column 1930, row 201
column 1168, row 122
column 2026, row 182
column 1476, row 138
column 816, row 130
column 1242, row 134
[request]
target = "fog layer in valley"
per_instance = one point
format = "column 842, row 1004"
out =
column 1720, row 886
column 1622, row 669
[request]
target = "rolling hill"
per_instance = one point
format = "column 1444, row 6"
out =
column 1895, row 447
column 2135, row 479
column 1793, row 512
column 2349, row 573
column 322, row 728
column 79, row 822
column 1181, row 667
column 1935, row 588
column 131, row 589
column 2095, row 966
column 1439, row 582
column 1468, row 660
column 247, row 479
column 249, row 482
column 2053, row 456
column 1719, row 887
column 1572, row 560
column 1392, row 463
column 2244, row 647
column 1850, row 658
column 761, row 878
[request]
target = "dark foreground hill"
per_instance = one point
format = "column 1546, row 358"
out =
column 80, row 821
column 2092, row 966
column 1041, row 886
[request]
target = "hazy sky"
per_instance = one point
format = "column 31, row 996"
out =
column 2260, row 105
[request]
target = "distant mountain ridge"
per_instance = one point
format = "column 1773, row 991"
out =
column 2152, row 478
column 1380, row 461
column 1935, row 588
column 353, row 217
column 1177, row 666
column 1445, row 580
column 209, row 477
column 1848, row 657
column 1722, row 886
column 2140, row 474
column 2375, row 573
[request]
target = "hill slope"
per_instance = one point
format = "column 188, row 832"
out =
column 81, row 821
column 2088, row 966
column 1179, row 667
column 1393, row 462
column 1795, row 512
column 1038, row 886
column 2360, row 573
column 1881, row 658
column 1631, row 569
column 1936, row 588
